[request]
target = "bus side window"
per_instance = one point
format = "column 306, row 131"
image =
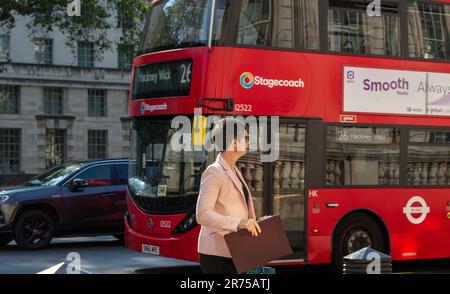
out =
column 429, row 158
column 352, row 30
column 255, row 23
column 279, row 24
column 429, row 29
column 363, row 156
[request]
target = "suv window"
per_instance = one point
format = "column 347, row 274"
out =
column 122, row 174
column 97, row 176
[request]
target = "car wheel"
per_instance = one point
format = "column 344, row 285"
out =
column 34, row 230
column 354, row 233
column 5, row 241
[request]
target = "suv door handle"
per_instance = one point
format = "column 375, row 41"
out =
column 108, row 195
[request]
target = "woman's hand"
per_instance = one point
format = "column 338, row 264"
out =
column 251, row 226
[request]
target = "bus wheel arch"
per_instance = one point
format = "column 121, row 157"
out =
column 362, row 223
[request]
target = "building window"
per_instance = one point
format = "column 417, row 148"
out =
column 352, row 30
column 86, row 54
column 429, row 158
column 96, row 102
column 53, row 101
column 125, row 58
column 4, row 48
column 55, row 147
column 429, row 30
column 9, row 99
column 97, row 144
column 9, row 151
column 44, row 51
column 363, row 156
column 280, row 24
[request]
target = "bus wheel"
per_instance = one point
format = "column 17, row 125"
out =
column 34, row 230
column 356, row 232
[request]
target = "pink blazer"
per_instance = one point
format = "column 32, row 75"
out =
column 221, row 206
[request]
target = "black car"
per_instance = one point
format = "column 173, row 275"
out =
column 74, row 199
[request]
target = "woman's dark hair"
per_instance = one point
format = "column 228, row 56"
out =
column 227, row 129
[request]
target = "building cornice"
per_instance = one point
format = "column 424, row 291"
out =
column 69, row 76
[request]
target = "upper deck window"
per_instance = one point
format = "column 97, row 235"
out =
column 181, row 23
column 279, row 24
column 429, row 30
column 352, row 30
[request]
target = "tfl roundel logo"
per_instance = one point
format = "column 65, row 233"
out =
column 247, row 80
column 416, row 214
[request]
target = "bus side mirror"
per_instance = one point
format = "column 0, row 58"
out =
column 77, row 184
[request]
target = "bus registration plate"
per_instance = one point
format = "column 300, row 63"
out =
column 151, row 249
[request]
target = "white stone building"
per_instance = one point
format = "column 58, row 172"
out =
column 57, row 106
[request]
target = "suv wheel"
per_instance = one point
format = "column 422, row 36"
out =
column 34, row 230
column 5, row 241
column 119, row 237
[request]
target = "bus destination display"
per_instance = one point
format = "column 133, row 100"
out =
column 168, row 79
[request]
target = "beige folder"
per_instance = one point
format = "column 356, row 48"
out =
column 249, row 252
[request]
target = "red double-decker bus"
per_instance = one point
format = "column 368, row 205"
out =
column 362, row 92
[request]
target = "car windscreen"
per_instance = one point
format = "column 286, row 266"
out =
column 54, row 176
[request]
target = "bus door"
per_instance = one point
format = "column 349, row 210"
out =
column 279, row 187
column 287, row 191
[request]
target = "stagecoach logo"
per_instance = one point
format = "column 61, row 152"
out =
column 149, row 223
column 411, row 210
column 248, row 80
column 147, row 107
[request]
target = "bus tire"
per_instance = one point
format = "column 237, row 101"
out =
column 34, row 230
column 353, row 233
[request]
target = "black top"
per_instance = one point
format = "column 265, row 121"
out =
column 244, row 188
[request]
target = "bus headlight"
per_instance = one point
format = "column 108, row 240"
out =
column 188, row 223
